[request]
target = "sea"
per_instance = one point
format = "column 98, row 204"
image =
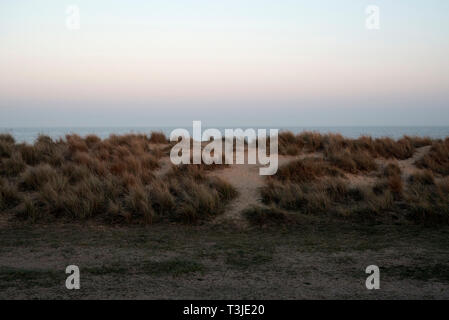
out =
column 29, row 134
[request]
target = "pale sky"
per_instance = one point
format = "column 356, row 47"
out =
column 227, row 63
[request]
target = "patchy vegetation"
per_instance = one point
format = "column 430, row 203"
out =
column 428, row 200
column 317, row 187
column 323, row 185
column 437, row 160
column 112, row 179
column 307, row 169
column 116, row 180
column 334, row 144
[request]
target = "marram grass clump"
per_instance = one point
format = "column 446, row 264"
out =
column 113, row 180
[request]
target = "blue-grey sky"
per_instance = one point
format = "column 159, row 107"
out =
column 227, row 63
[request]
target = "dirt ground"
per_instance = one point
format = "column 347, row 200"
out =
column 314, row 261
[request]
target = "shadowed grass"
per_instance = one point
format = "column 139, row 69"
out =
column 437, row 160
column 320, row 185
column 113, row 179
column 332, row 144
column 420, row 200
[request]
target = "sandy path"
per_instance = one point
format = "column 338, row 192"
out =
column 246, row 179
column 408, row 165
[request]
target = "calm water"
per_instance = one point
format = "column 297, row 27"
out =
column 30, row 134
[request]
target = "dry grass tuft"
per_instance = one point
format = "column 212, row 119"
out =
column 422, row 200
column 422, row 178
column 288, row 144
column 334, row 144
column 6, row 145
column 9, row 195
column 353, row 162
column 395, row 185
column 427, row 200
column 307, row 169
column 319, row 197
column 158, row 137
column 419, row 142
column 391, row 179
column 197, row 196
column 7, row 138
column 437, row 160
column 112, row 180
column 13, row 166
column 391, row 169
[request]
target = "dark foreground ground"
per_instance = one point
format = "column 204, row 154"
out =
column 185, row 262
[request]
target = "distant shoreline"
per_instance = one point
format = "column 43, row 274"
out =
column 29, row 134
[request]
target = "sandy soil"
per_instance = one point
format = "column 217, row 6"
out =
column 185, row 262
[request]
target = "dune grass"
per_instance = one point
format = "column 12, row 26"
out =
column 332, row 144
column 115, row 180
column 310, row 187
column 318, row 184
column 437, row 160
column 112, row 180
